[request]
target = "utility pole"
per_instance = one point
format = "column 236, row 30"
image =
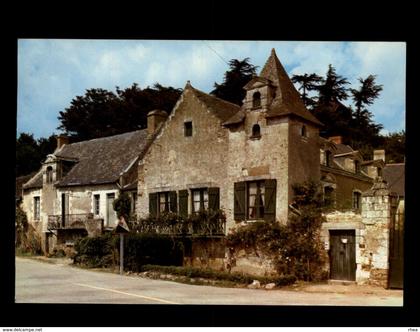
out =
column 121, row 253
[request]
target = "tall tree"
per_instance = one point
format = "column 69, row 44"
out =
column 239, row 74
column 307, row 83
column 31, row 152
column 333, row 87
column 365, row 95
column 101, row 113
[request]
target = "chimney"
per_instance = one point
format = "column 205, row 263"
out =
column 379, row 154
column 154, row 119
column 336, row 139
column 62, row 140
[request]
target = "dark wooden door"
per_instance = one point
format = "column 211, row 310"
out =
column 64, row 209
column 342, row 255
column 396, row 251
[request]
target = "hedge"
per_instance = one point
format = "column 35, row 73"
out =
column 139, row 249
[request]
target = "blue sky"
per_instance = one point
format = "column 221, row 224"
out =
column 51, row 72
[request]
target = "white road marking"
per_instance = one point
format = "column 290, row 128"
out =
column 129, row 294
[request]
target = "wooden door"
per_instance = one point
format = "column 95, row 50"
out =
column 64, row 209
column 111, row 216
column 342, row 255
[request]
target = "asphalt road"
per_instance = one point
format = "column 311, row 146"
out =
column 39, row 282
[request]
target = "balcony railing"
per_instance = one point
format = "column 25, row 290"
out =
column 69, row 221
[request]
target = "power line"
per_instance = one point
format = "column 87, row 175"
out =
column 215, row 52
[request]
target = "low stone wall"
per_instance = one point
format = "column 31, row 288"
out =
column 251, row 262
column 205, row 252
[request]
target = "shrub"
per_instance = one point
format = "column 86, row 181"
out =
column 139, row 249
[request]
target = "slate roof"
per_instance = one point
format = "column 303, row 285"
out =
column 34, row 182
column 394, row 175
column 220, row 108
column 287, row 100
column 20, row 181
column 100, row 160
column 343, row 149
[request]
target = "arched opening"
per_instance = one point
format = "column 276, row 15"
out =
column 256, row 130
column 49, row 174
column 256, row 99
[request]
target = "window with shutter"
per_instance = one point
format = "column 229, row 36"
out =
column 183, row 203
column 153, row 204
column 214, row 198
column 270, row 200
column 239, row 201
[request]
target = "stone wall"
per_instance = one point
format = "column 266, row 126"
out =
column 372, row 233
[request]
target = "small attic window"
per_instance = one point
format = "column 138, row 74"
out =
column 256, row 131
column 303, row 131
column 256, row 99
column 188, row 128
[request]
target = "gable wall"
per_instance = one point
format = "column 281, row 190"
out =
column 176, row 162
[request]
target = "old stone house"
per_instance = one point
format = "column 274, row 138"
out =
column 73, row 192
column 211, row 154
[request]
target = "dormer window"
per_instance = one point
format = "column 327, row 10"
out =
column 256, row 100
column 256, row 131
column 49, row 174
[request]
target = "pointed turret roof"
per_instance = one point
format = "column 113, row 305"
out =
column 287, row 100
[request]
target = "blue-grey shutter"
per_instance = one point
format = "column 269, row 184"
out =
column 153, row 204
column 214, row 198
column 173, row 202
column 239, row 201
column 183, row 203
column 270, row 200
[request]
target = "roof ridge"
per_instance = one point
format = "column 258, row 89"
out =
column 107, row 137
column 210, row 95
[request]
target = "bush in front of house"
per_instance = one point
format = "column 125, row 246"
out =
column 139, row 249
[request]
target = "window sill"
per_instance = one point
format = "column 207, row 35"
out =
column 253, row 138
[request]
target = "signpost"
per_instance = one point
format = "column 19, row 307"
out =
column 122, row 229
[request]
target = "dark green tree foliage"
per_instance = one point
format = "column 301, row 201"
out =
column 307, row 83
column 239, row 74
column 122, row 205
column 394, row 145
column 364, row 133
column 101, row 113
column 333, row 88
column 31, row 152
